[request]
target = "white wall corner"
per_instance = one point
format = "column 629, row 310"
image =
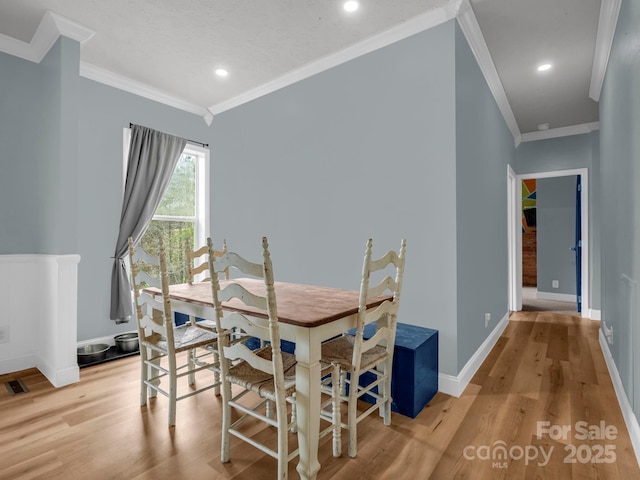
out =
column 609, row 11
column 66, row 358
column 58, row 377
column 471, row 29
column 53, row 318
column 630, row 418
column 455, row 385
column 208, row 117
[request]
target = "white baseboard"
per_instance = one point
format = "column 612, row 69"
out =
column 455, row 385
column 15, row 364
column 594, row 314
column 448, row 384
column 558, row 297
column 630, row 418
column 59, row 377
column 109, row 339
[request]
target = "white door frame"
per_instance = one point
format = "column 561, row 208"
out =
column 514, row 223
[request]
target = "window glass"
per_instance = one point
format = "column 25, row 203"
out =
column 180, row 197
column 174, row 234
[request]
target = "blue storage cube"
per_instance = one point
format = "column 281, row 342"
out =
column 415, row 368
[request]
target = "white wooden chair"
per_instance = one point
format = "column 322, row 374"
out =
column 197, row 261
column 258, row 376
column 198, row 271
column 350, row 356
column 162, row 343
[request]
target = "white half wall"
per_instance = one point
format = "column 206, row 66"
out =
column 38, row 319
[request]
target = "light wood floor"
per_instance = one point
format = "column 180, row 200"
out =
column 545, row 368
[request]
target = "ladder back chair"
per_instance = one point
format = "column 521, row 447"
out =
column 350, row 356
column 197, row 261
column 198, row 264
column 259, row 377
column 162, row 343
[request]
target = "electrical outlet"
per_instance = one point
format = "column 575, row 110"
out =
column 4, row 333
column 487, row 319
column 555, row 284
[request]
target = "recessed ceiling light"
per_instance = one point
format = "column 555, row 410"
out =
column 221, row 72
column 543, row 126
column 544, row 67
column 350, row 6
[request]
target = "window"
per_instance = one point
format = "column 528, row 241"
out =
column 183, row 213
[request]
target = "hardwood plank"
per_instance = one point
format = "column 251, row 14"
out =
column 545, row 368
column 531, row 370
column 558, row 345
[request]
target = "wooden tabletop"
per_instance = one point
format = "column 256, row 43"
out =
column 303, row 305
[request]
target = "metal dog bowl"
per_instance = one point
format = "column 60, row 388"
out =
column 92, row 353
column 127, row 342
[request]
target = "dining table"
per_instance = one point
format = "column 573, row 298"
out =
column 307, row 316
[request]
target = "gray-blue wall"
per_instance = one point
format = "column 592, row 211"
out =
column 556, row 223
column 365, row 149
column 38, row 138
column 569, row 153
column 61, row 168
column 620, row 174
column 563, row 153
column 484, row 148
column 103, row 113
column 29, row 124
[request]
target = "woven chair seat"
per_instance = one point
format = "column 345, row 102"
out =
column 207, row 325
column 187, row 337
column 339, row 351
column 260, row 382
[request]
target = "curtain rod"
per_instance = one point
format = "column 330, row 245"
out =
column 205, row 145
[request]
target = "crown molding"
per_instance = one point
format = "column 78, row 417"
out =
column 415, row 25
column 51, row 27
column 561, row 132
column 471, row 29
column 107, row 77
column 609, row 11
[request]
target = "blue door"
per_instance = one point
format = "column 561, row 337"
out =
column 578, row 246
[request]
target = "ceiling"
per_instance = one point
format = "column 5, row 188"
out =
column 170, row 50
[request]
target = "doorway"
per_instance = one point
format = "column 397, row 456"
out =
column 514, row 225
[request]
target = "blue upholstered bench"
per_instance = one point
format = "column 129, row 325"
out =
column 415, row 368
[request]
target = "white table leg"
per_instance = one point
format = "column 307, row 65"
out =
column 308, row 403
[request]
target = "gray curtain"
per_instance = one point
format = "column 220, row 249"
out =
column 153, row 156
